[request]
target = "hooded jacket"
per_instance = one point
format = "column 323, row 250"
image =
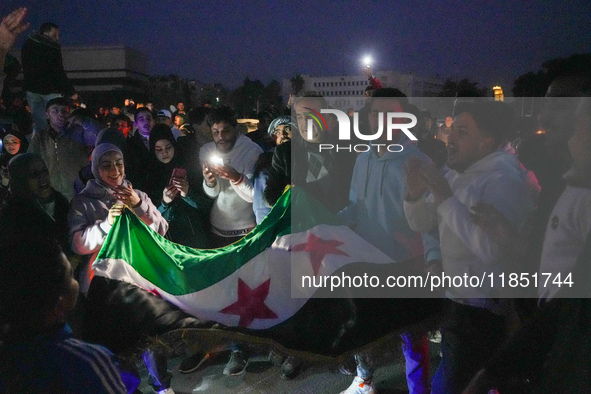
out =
column 87, row 219
column 43, row 68
column 377, row 193
column 498, row 179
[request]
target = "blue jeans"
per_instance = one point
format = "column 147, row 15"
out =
column 469, row 337
column 415, row 348
column 416, row 353
column 37, row 103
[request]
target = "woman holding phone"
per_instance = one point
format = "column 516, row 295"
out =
column 93, row 211
column 185, row 208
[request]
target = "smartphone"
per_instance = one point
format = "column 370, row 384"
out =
column 177, row 172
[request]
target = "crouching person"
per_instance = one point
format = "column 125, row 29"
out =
column 37, row 351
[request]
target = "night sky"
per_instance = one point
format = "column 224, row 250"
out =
column 226, row 41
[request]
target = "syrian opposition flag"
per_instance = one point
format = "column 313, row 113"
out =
column 247, row 284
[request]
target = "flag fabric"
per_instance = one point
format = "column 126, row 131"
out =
column 247, row 284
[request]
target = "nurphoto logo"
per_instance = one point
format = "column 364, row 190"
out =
column 393, row 119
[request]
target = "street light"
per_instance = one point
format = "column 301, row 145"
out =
column 367, row 61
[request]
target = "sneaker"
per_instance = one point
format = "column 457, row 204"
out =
column 193, row 362
column 360, row 386
column 348, row 367
column 166, row 391
column 290, row 368
column 434, row 336
column 237, row 364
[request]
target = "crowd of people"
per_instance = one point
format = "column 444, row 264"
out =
column 459, row 200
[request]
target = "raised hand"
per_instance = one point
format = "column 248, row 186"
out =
column 11, row 26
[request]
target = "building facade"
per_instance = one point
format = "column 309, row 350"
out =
column 346, row 91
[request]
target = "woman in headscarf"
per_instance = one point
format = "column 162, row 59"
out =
column 33, row 207
column 93, row 211
column 13, row 143
column 186, row 208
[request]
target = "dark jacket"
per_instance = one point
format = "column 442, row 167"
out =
column 43, row 68
column 137, row 160
column 187, row 217
column 331, row 189
column 25, row 218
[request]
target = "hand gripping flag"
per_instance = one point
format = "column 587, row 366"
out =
column 248, row 286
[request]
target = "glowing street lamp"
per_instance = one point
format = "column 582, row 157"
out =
column 367, row 61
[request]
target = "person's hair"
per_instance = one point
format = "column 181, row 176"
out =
column 198, row 115
column 493, row 118
column 32, row 279
column 141, row 109
column 576, row 66
column 222, row 114
column 47, row 27
column 313, row 97
column 389, row 92
column 57, row 101
column 124, row 118
column 85, row 112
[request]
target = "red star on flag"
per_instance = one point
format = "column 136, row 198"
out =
column 250, row 304
column 319, row 248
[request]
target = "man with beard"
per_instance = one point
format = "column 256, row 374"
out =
column 228, row 168
column 482, row 171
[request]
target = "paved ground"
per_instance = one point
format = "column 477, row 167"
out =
column 263, row 377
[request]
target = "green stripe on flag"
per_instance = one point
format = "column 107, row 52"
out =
column 179, row 270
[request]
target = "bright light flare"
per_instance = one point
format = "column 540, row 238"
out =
column 216, row 160
column 367, row 60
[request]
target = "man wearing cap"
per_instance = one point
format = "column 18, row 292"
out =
column 164, row 117
column 64, row 150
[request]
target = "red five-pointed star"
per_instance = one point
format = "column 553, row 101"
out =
column 319, row 248
column 250, row 304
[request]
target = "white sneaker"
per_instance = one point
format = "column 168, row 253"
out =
column 360, row 386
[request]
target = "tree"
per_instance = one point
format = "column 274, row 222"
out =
column 244, row 99
column 535, row 84
column 297, row 84
column 531, row 84
column 462, row 88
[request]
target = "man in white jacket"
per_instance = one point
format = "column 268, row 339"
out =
column 482, row 171
column 228, row 168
